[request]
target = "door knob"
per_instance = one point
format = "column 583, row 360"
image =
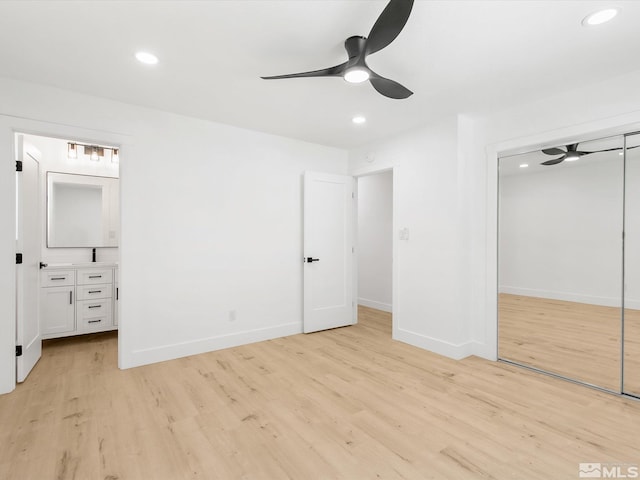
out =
column 311, row 260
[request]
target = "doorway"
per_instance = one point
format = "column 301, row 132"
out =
column 67, row 224
column 375, row 247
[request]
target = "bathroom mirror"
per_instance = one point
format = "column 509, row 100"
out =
column 560, row 260
column 82, row 211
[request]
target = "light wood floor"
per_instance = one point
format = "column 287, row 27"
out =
column 348, row 403
column 576, row 340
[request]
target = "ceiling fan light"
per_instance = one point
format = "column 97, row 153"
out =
column 356, row 75
column 146, row 58
column 572, row 158
column 599, row 17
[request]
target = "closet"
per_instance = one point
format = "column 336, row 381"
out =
column 569, row 262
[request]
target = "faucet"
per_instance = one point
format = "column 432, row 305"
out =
column 93, row 255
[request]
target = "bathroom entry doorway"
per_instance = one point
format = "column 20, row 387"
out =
column 67, row 242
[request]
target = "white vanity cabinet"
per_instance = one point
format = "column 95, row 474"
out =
column 76, row 300
column 57, row 303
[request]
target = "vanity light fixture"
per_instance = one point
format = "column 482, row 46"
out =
column 72, row 150
column 94, row 152
column 599, row 17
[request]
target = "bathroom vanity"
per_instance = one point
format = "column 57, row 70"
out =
column 78, row 298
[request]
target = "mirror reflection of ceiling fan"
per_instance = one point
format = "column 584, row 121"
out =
column 572, row 153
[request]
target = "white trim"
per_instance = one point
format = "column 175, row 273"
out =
column 209, row 344
column 435, row 345
column 385, row 307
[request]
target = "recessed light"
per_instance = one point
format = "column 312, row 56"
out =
column 621, row 153
column 359, row 119
column 147, row 58
column 356, row 75
column 524, row 165
column 599, row 17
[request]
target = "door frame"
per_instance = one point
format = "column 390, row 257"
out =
column 375, row 170
column 9, row 126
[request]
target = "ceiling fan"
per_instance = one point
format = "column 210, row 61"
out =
column 570, row 154
column 355, row 70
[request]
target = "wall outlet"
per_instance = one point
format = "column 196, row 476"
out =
column 232, row 315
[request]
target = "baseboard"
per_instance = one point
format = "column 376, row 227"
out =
column 441, row 347
column 385, row 307
column 565, row 296
column 485, row 351
column 194, row 347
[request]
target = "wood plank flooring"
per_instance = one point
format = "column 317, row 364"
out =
column 348, row 403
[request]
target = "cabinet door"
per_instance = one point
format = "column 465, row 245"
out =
column 57, row 310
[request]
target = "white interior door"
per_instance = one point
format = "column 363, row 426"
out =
column 27, row 273
column 328, row 250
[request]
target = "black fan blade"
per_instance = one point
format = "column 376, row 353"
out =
column 581, row 153
column 389, row 88
column 555, row 161
column 605, row 150
column 389, row 25
column 553, row 151
column 336, row 71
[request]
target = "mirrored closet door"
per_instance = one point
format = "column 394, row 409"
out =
column 631, row 370
column 560, row 261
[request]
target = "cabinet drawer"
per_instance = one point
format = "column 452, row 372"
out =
column 89, row 292
column 93, row 308
column 58, row 278
column 91, row 324
column 95, row 275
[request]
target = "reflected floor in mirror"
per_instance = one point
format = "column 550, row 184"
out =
column 632, row 351
column 575, row 340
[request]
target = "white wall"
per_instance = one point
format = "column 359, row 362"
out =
column 560, row 232
column 375, row 240
column 211, row 222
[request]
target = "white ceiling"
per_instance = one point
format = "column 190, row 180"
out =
column 457, row 56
